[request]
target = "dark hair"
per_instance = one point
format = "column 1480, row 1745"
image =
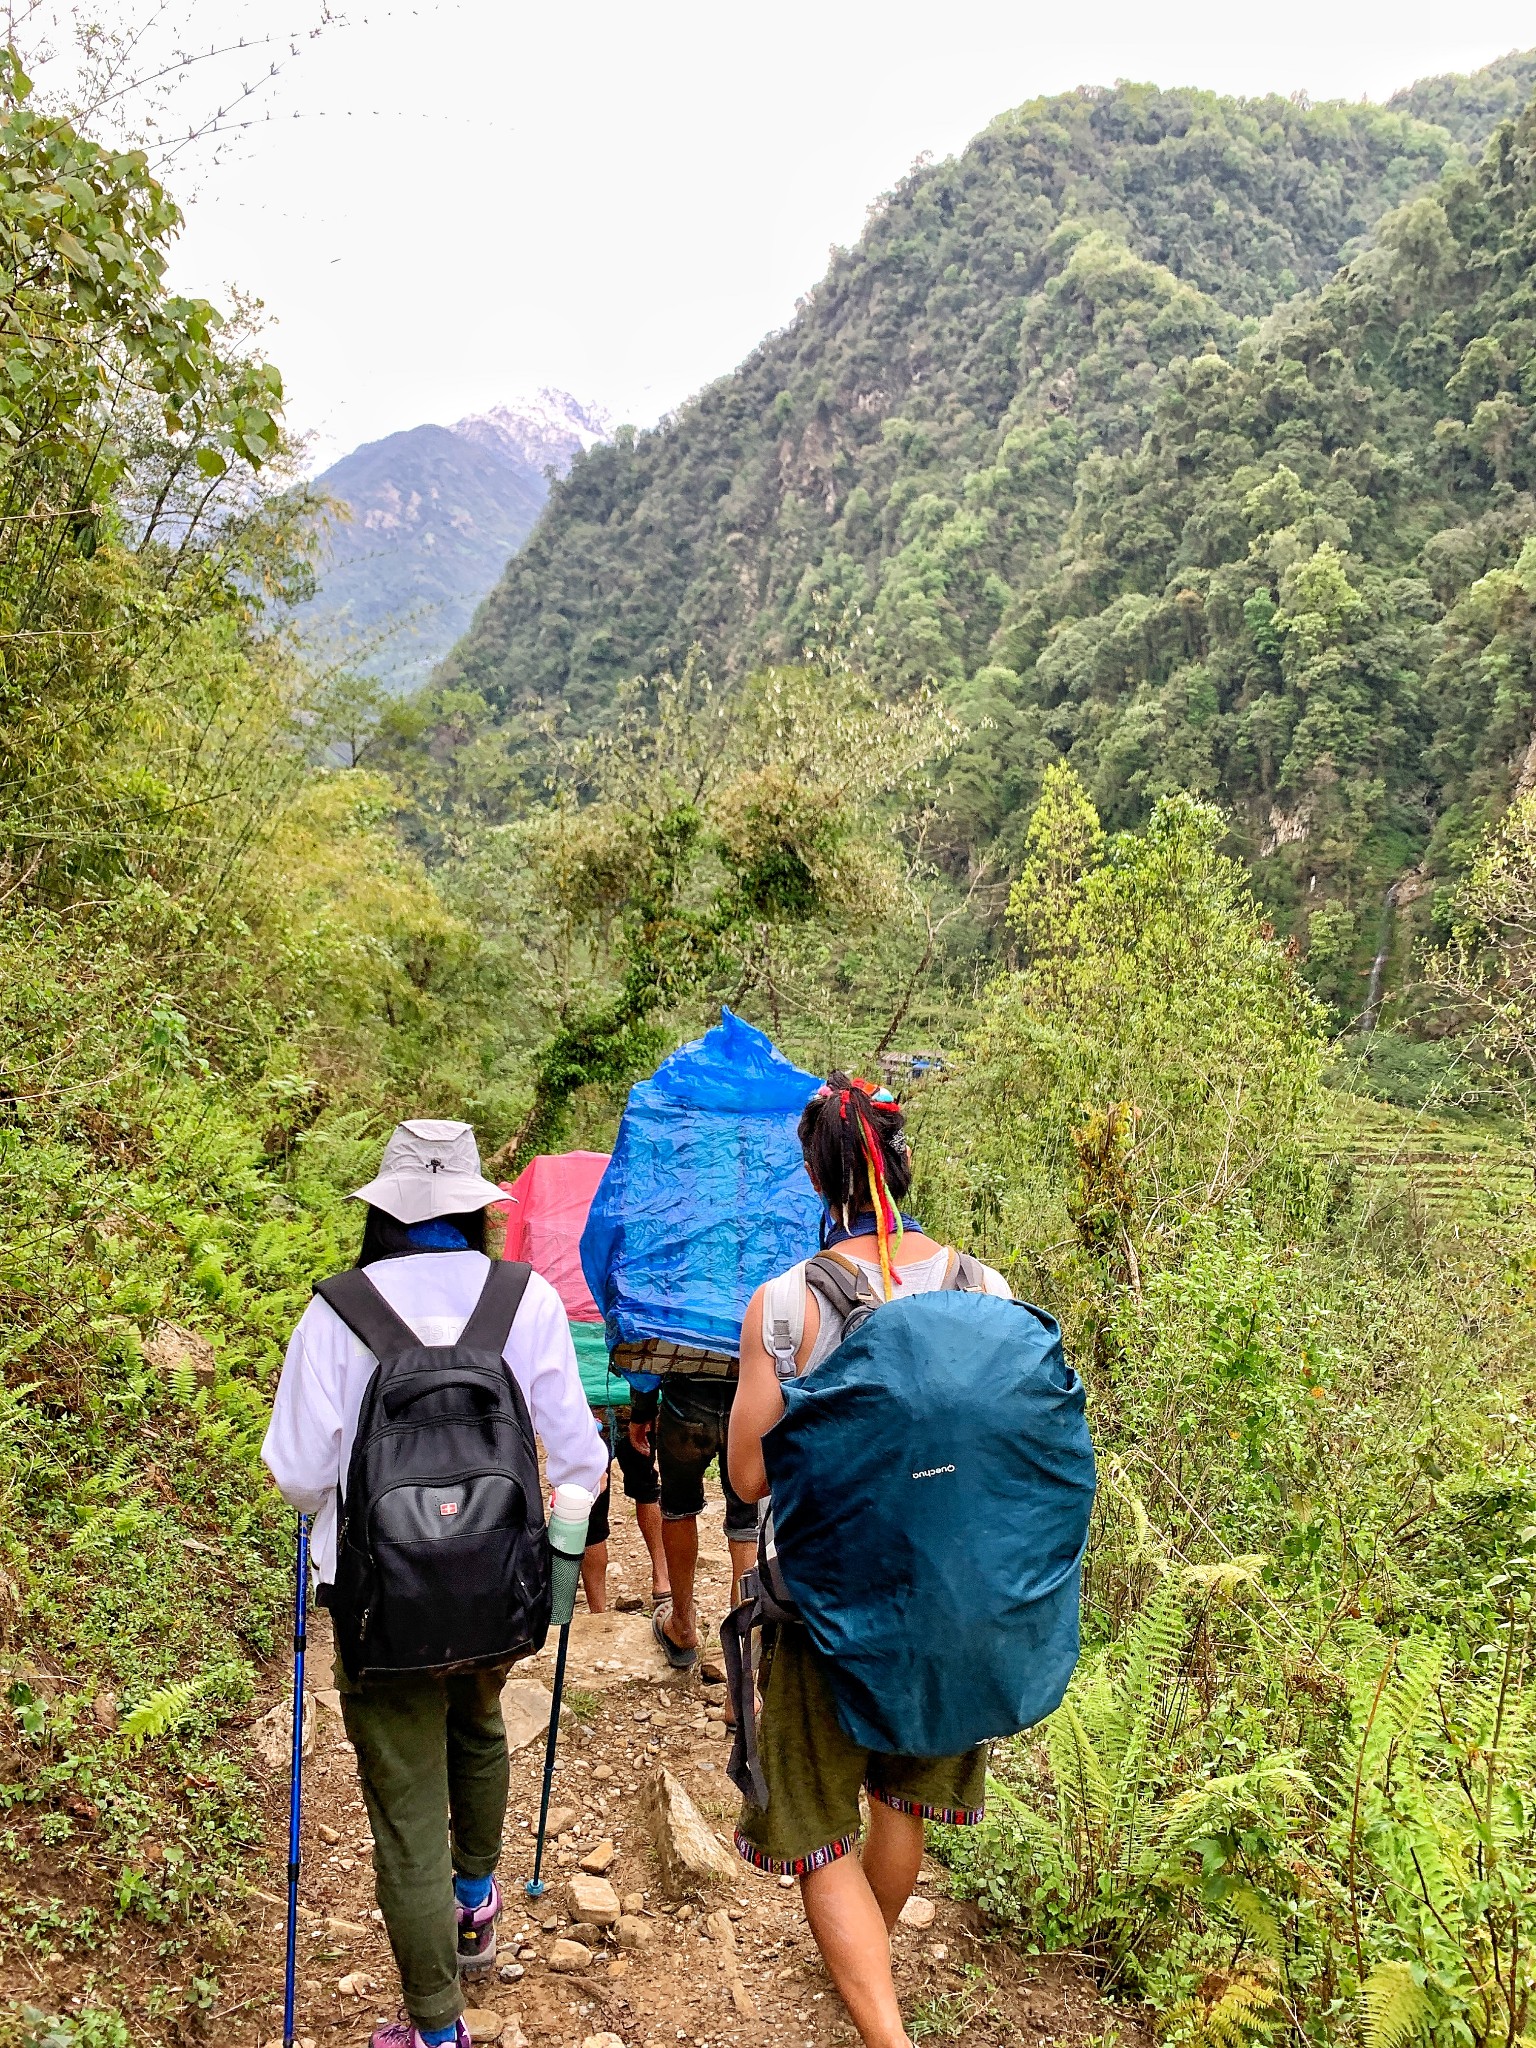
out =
column 832, row 1128
column 386, row 1237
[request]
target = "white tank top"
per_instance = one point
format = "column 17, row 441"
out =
column 922, row 1276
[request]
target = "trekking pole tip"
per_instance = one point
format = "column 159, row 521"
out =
column 534, row 1888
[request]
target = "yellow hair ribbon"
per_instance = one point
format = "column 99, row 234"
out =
column 882, row 1227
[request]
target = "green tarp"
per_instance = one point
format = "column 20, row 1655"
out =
column 602, row 1388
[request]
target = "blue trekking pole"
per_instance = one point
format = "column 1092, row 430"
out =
column 300, row 1607
column 567, row 1542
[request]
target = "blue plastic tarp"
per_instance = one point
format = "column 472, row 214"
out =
column 705, row 1196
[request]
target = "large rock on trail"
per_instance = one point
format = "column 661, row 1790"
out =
column 688, row 1851
column 483, row 2024
column 525, row 1706
column 272, row 1735
column 592, row 1899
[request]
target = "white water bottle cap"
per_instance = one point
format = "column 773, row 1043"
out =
column 573, row 1503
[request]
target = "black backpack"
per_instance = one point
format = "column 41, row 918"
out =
column 442, row 1562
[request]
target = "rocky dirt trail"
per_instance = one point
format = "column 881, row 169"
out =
column 732, row 1964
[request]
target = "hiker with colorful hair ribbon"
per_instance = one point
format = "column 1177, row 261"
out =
column 917, row 1577
column 404, row 1423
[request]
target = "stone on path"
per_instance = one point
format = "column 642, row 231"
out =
column 569, row 1955
column 602, row 2041
column 348, row 1930
column 512, row 2035
column 688, row 1851
column 272, row 1735
column 741, row 1998
column 712, row 1671
column 633, row 1902
column 918, row 1913
column 525, row 1706
column 171, row 1348
column 330, row 1726
column 599, row 1861
column 483, row 2024
column 718, row 1927
column 605, row 1650
column 560, row 1818
column 592, row 1899
column 633, row 1931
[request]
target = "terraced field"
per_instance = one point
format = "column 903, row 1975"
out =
column 1461, row 1170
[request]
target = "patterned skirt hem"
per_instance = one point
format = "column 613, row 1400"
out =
column 951, row 1816
column 799, row 1866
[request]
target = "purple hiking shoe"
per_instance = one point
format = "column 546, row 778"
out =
column 403, row 2035
column 477, row 1934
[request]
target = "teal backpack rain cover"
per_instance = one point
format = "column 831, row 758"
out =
column 932, row 1482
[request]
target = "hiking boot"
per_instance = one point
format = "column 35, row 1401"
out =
column 477, row 1934
column 403, row 2035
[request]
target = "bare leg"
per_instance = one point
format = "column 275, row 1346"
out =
column 648, row 1520
column 743, row 1557
column 680, row 1541
column 892, row 1856
column 594, row 1576
column 851, row 1933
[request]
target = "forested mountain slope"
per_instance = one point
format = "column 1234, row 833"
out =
column 427, row 521
column 907, row 446
column 1310, row 590
column 434, row 514
column 1471, row 105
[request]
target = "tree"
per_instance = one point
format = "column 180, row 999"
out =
column 1064, row 840
column 1148, row 1065
column 1488, row 968
column 685, row 842
column 90, row 341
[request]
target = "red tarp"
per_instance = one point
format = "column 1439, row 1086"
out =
column 546, row 1212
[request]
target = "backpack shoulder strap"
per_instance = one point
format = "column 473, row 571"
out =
column 840, row 1283
column 366, row 1313
column 965, row 1275
column 784, row 1319
column 491, row 1319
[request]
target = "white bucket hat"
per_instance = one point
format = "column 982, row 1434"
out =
column 430, row 1168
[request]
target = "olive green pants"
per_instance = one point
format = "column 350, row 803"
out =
column 432, row 1757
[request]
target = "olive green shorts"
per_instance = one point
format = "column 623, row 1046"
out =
column 814, row 1771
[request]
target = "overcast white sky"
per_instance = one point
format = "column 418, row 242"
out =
column 454, row 204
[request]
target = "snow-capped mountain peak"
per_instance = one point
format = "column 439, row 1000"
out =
column 547, row 431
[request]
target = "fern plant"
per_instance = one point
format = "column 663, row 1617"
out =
column 1115, row 1824
column 163, row 1711
column 1227, row 2012
column 1395, row 2008
column 1435, row 1834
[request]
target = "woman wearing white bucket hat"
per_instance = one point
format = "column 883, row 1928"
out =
column 431, row 1745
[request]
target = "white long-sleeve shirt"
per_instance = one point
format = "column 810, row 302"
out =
column 308, row 1445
